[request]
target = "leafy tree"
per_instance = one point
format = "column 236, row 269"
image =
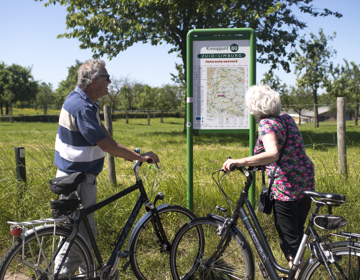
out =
column 275, row 83
column 44, row 96
column 109, row 27
column 146, row 98
column 114, row 92
column 313, row 65
column 351, row 73
column 170, row 97
column 299, row 98
column 68, row 85
column 127, row 98
column 16, row 84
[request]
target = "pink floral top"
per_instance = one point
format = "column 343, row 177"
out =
column 296, row 171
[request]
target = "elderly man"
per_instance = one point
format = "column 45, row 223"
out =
column 82, row 140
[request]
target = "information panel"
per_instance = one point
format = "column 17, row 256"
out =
column 220, row 68
column 220, row 80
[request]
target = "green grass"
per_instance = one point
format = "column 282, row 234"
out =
column 31, row 201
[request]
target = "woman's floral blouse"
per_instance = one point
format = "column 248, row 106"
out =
column 296, row 171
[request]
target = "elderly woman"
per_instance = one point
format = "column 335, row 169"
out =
column 295, row 173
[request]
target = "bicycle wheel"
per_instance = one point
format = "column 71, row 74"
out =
column 35, row 257
column 150, row 257
column 346, row 265
column 196, row 242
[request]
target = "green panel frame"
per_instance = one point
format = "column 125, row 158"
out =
column 215, row 35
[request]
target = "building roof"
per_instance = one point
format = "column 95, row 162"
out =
column 307, row 113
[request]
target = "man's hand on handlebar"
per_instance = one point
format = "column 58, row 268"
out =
column 150, row 157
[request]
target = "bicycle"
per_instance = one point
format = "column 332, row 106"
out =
column 39, row 241
column 213, row 247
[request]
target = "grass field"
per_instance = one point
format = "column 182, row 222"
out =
column 167, row 139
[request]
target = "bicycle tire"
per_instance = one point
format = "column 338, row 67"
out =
column 40, row 263
column 193, row 247
column 340, row 268
column 149, row 259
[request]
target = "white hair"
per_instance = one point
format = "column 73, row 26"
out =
column 263, row 102
column 88, row 71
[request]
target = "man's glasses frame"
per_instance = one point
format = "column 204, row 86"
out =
column 107, row 77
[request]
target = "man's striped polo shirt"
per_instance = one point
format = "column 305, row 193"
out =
column 79, row 131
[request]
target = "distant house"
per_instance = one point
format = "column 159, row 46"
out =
column 307, row 116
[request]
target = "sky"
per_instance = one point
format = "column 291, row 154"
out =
column 29, row 30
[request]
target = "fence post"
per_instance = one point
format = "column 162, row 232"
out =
column 20, row 164
column 148, row 116
column 341, row 131
column 110, row 158
column 20, row 169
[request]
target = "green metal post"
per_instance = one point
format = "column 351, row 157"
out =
column 189, row 124
column 252, row 120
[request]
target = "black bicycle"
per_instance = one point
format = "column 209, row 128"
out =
column 213, row 247
column 38, row 243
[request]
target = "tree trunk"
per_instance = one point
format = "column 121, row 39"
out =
column 316, row 114
column 299, row 118
column 356, row 113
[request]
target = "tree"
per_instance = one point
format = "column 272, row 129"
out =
column 276, row 84
column 351, row 73
column 313, row 65
column 16, row 84
column 68, row 85
column 146, row 98
column 127, row 97
column 299, row 98
column 44, row 96
column 114, row 92
column 109, row 27
column 170, row 97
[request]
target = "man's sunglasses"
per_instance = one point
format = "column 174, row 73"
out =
column 107, row 76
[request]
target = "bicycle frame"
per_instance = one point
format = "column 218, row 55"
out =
column 259, row 240
column 116, row 254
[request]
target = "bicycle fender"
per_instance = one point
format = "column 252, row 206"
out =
column 31, row 231
column 141, row 222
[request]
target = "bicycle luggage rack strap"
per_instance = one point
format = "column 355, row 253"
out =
column 38, row 222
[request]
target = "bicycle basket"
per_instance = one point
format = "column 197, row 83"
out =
column 329, row 222
column 60, row 208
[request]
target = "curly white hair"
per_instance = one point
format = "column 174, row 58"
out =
column 263, row 102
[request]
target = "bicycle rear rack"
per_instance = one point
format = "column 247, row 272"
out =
column 31, row 226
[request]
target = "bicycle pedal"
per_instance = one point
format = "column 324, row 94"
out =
column 123, row 255
column 126, row 265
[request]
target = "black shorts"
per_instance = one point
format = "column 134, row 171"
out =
column 290, row 217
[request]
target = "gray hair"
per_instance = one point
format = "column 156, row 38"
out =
column 88, row 71
column 263, row 102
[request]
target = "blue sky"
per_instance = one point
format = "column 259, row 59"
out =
column 29, row 30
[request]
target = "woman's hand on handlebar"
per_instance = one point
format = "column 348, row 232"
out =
column 227, row 164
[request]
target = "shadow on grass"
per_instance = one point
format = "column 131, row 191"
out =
column 352, row 138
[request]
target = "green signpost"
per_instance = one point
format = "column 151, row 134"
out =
column 221, row 66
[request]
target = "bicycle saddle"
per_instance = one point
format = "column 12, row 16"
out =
column 328, row 198
column 66, row 184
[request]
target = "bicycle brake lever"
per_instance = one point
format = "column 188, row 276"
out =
column 156, row 165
